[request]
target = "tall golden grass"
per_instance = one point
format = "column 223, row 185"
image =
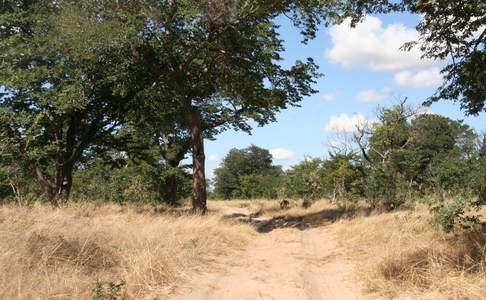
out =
column 61, row 254
column 400, row 255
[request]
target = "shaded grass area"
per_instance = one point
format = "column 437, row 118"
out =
column 62, row 254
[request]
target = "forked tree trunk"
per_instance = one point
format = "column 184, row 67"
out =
column 198, row 160
column 60, row 191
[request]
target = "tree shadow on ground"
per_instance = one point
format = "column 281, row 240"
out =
column 301, row 222
column 311, row 220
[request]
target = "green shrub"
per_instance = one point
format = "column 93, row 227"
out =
column 108, row 290
column 454, row 213
column 387, row 188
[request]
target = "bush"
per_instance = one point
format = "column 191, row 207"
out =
column 107, row 291
column 457, row 212
column 131, row 182
column 387, row 188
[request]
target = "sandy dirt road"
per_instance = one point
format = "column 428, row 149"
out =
column 281, row 264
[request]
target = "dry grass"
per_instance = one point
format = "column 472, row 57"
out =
column 60, row 254
column 401, row 255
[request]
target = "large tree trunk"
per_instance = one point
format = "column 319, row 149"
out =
column 45, row 186
column 198, row 160
column 58, row 192
column 171, row 183
column 172, row 155
column 67, row 182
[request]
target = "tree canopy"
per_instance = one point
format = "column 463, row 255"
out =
column 247, row 173
column 60, row 97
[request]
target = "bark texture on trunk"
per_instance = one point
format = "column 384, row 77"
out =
column 59, row 189
column 198, row 160
column 172, row 151
column 58, row 192
column 171, row 183
column 45, row 186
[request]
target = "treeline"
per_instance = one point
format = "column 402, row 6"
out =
column 104, row 99
column 403, row 157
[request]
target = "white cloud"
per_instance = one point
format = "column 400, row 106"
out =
column 372, row 96
column 329, row 97
column 373, row 45
column 282, row 153
column 345, row 123
column 213, row 157
column 430, row 77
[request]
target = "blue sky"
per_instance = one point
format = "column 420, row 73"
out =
column 363, row 68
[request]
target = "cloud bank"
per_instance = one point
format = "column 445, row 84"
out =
column 372, row 45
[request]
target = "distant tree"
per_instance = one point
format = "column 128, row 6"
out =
column 406, row 152
column 261, row 186
column 384, row 147
column 306, row 180
column 241, row 168
column 343, row 177
column 381, row 141
column 441, row 150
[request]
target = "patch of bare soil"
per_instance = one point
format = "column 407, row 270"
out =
column 282, row 263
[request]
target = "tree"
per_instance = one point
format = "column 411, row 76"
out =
column 242, row 168
column 343, row 176
column 305, row 179
column 215, row 63
column 61, row 96
column 379, row 142
column 260, row 186
column 438, row 146
column 456, row 30
column 171, row 144
column 162, row 151
column 14, row 178
column 384, row 148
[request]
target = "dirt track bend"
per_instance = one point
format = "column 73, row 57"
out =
column 281, row 264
